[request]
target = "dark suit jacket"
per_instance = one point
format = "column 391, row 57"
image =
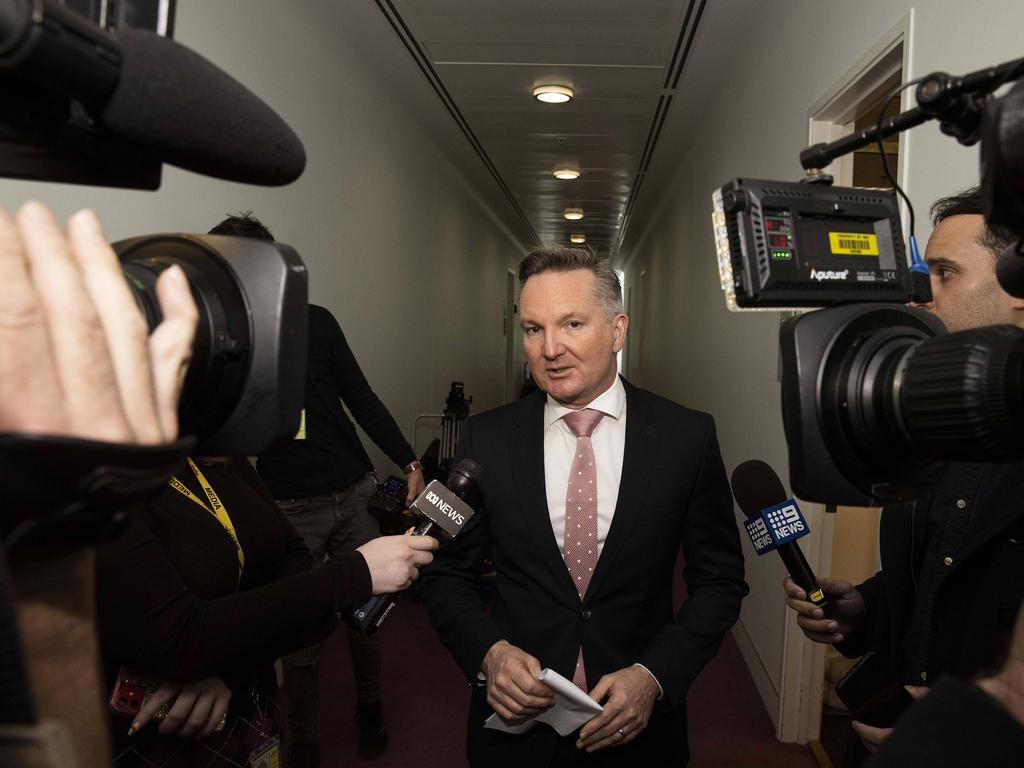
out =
column 673, row 490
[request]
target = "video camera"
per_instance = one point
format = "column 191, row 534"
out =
column 876, row 394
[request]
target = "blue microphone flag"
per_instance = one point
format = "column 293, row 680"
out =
column 775, row 526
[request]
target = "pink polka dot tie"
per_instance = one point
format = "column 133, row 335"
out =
column 580, row 549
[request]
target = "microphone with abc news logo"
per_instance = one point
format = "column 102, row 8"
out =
column 774, row 522
column 444, row 509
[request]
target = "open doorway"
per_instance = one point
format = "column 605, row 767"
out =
column 847, row 542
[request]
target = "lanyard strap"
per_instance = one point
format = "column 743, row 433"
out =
column 215, row 508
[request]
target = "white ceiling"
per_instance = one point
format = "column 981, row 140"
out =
column 621, row 58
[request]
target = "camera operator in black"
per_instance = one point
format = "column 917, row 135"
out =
column 322, row 481
column 952, row 573
column 94, row 396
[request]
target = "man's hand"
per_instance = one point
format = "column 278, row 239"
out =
column 870, row 735
column 415, row 483
column 628, row 697
column 873, row 736
column 845, row 602
column 1007, row 685
column 76, row 356
column 394, row 561
column 197, row 710
column 513, row 690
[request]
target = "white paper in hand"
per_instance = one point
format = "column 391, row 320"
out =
column 572, row 708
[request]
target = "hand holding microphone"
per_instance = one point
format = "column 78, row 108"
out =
column 394, row 561
column 827, row 609
column 846, row 610
column 774, row 523
column 442, row 511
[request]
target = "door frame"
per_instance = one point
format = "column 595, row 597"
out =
column 830, row 117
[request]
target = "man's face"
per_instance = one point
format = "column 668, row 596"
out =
column 569, row 339
column 963, row 271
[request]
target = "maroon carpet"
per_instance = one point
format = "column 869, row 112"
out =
column 426, row 699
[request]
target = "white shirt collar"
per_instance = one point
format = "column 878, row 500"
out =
column 611, row 402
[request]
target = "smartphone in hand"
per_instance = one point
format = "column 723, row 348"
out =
column 130, row 691
column 873, row 693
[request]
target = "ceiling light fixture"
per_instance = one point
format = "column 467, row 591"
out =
column 578, row 239
column 552, row 94
column 573, row 214
column 567, row 173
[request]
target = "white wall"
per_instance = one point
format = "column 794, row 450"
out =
column 742, row 110
column 398, row 245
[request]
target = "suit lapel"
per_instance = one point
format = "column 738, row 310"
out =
column 528, row 474
column 637, row 465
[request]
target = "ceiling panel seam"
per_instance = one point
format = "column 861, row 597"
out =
column 423, row 62
column 675, row 70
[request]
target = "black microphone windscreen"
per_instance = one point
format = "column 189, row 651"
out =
column 756, row 486
column 463, row 478
column 187, row 112
column 1010, row 270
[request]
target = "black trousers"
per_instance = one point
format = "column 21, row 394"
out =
column 568, row 756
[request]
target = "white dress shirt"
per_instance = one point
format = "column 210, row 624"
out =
column 609, row 443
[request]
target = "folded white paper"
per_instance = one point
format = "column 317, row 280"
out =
column 572, row 708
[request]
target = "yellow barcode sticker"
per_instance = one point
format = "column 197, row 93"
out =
column 853, row 243
column 817, row 596
column 301, row 434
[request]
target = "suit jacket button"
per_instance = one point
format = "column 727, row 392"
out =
column 585, row 615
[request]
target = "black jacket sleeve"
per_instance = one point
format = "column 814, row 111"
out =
column 713, row 573
column 449, row 586
column 876, row 613
column 361, row 401
column 151, row 620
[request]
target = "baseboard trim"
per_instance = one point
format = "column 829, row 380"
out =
column 759, row 671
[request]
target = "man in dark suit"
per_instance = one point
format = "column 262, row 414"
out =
column 584, row 577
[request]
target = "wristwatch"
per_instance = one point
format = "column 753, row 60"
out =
column 412, row 466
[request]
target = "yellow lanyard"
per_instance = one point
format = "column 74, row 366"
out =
column 216, row 508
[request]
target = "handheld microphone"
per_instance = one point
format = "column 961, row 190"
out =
column 774, row 522
column 156, row 94
column 444, row 511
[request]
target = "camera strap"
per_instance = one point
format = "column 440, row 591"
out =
column 216, row 508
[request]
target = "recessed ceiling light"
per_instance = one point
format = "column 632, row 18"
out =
column 573, row 214
column 552, row 94
column 579, row 238
column 566, row 173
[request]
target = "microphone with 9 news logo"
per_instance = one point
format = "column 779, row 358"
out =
column 774, row 523
column 444, row 511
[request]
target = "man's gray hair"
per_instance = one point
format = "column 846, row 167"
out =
column 563, row 258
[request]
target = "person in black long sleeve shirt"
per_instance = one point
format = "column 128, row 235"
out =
column 322, row 481
column 330, row 457
column 173, row 602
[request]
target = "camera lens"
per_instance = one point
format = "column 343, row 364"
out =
column 220, row 355
column 960, row 395
column 245, row 384
column 859, row 401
